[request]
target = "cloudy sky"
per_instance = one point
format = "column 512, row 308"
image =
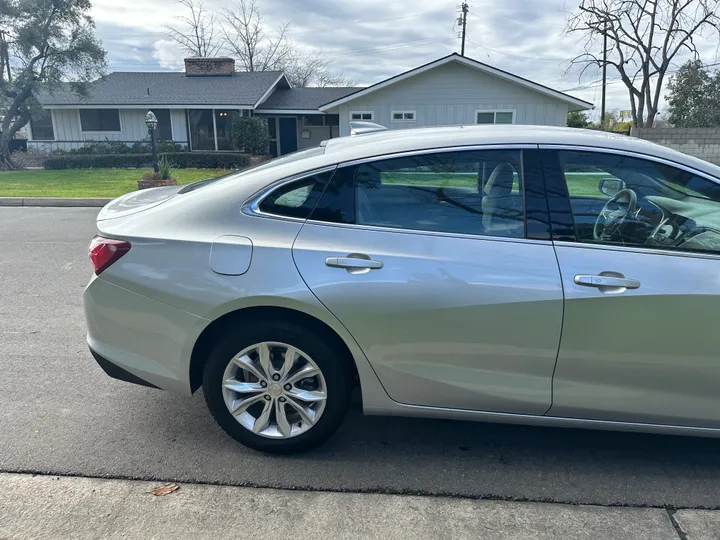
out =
column 371, row 40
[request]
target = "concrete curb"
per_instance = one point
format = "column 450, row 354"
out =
column 54, row 202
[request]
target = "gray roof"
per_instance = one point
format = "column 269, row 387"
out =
column 170, row 88
column 304, row 98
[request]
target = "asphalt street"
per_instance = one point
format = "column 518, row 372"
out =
column 60, row 414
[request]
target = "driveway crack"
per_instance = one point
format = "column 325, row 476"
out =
column 678, row 529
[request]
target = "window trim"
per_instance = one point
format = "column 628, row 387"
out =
column 251, row 207
column 515, row 146
column 632, row 249
column 494, row 111
column 120, row 121
column 371, row 113
column 403, row 120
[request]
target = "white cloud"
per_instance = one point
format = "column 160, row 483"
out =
column 167, row 54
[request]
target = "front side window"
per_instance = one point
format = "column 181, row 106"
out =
column 629, row 201
column 362, row 115
column 494, row 117
column 470, row 192
column 100, row 119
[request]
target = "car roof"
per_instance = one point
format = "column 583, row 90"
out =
column 407, row 140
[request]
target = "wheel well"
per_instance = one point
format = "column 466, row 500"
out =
column 205, row 343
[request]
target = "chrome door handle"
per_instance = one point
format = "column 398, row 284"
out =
column 601, row 281
column 353, row 263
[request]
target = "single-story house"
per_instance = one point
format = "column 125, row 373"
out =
column 195, row 107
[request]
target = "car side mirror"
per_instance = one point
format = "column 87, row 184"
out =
column 611, row 186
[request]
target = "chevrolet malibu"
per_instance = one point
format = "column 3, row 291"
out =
column 495, row 273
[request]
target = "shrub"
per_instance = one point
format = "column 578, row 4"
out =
column 165, row 167
column 118, row 147
column 180, row 160
column 251, row 134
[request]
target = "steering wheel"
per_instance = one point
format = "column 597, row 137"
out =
column 614, row 213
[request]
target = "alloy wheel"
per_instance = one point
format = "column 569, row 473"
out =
column 274, row 390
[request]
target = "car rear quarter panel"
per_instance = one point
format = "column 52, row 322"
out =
column 170, row 262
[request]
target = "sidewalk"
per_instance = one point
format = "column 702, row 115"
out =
column 82, row 508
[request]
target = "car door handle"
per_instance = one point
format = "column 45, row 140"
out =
column 602, row 281
column 353, row 263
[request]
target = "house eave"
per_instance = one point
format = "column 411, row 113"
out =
column 148, row 106
column 470, row 63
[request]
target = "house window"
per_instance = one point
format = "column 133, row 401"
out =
column 332, row 119
column 164, row 129
column 313, row 120
column 42, row 128
column 362, row 115
column 100, row 119
column 403, row 116
column 494, row 117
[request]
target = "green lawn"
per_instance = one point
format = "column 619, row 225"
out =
column 579, row 184
column 86, row 182
column 116, row 182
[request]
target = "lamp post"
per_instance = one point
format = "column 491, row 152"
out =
column 151, row 122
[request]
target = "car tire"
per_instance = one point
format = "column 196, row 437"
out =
column 334, row 372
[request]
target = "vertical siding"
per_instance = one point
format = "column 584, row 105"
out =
column 179, row 125
column 450, row 94
column 66, row 124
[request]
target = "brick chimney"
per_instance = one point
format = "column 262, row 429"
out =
column 209, row 67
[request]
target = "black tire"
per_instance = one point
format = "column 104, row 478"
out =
column 334, row 368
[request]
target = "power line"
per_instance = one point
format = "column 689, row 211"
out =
column 365, row 21
column 543, row 58
column 389, row 47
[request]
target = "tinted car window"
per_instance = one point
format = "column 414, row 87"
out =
column 470, row 192
column 296, row 199
column 624, row 200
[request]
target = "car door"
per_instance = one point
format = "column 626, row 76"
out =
column 640, row 340
column 425, row 260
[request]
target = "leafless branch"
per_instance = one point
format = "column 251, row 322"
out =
column 196, row 32
column 644, row 36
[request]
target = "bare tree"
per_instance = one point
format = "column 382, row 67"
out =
column 246, row 39
column 196, row 32
column 313, row 69
column 644, row 37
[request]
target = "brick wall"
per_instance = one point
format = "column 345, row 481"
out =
column 703, row 143
column 199, row 67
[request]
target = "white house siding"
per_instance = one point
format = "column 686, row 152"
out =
column 66, row 127
column 179, row 125
column 318, row 134
column 450, row 94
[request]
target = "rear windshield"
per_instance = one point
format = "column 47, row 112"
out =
column 282, row 160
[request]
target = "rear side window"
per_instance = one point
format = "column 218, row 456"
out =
column 296, row 199
column 468, row 192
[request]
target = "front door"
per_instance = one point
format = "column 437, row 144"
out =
column 288, row 135
column 640, row 340
column 429, row 269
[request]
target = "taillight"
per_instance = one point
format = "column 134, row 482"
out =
column 105, row 251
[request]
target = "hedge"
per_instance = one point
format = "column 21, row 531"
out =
column 180, row 160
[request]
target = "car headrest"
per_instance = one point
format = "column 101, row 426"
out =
column 501, row 181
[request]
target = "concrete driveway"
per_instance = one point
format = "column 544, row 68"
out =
column 60, row 414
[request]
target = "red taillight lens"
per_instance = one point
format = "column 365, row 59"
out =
column 105, row 251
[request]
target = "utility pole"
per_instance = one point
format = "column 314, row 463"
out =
column 604, row 76
column 464, row 8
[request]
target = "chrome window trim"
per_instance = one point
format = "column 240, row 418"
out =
column 438, row 150
column 629, row 153
column 640, row 249
column 422, row 232
column 251, row 206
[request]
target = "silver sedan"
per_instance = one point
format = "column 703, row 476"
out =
column 493, row 273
